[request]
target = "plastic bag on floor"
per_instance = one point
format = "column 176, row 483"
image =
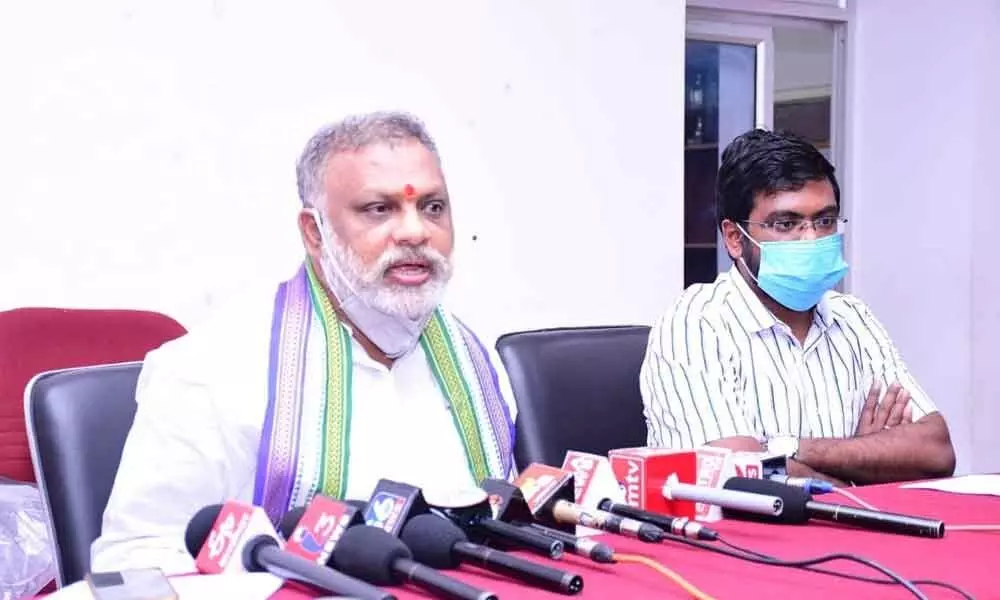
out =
column 27, row 560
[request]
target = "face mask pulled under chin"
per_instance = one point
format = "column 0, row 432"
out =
column 394, row 335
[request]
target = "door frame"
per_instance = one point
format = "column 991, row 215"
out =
column 751, row 22
column 758, row 36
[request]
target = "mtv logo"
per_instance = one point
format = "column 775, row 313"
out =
column 384, row 510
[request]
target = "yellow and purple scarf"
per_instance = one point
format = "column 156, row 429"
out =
column 304, row 446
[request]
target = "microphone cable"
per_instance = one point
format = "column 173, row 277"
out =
column 819, row 486
column 854, row 558
column 808, row 564
column 665, row 571
column 976, row 527
column 854, row 498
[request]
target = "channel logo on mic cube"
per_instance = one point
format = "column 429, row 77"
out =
column 236, row 524
column 229, row 526
column 642, row 472
column 384, row 510
column 593, row 478
column 320, row 528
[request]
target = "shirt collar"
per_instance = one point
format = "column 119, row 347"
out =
column 822, row 316
column 758, row 317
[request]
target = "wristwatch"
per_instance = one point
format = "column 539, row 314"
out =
column 784, row 445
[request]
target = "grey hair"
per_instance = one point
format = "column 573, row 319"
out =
column 350, row 135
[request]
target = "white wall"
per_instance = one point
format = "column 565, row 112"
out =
column 984, row 211
column 922, row 197
column 148, row 149
column 147, row 152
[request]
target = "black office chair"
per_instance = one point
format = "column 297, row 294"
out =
column 576, row 389
column 77, row 422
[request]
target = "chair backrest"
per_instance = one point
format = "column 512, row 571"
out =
column 34, row 340
column 576, row 389
column 77, row 421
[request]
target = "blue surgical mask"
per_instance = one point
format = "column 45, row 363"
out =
column 796, row 273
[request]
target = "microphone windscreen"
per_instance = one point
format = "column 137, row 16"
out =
column 794, row 499
column 290, row 521
column 431, row 539
column 368, row 553
column 199, row 527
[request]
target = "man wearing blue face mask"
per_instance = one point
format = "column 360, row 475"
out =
column 348, row 372
column 771, row 357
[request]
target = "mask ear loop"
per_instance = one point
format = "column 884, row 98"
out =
column 746, row 267
column 327, row 249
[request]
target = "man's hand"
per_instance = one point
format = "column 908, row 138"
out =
column 894, row 410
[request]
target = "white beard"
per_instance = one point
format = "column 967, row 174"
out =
column 368, row 283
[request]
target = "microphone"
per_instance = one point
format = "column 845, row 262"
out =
column 595, row 551
column 800, row 507
column 728, row 497
column 288, row 523
column 681, row 526
column 375, row 556
column 391, row 504
column 570, row 512
column 217, row 535
column 439, row 543
column 641, row 473
column 549, row 493
column 312, row 531
column 486, row 515
column 510, row 505
column 809, row 484
column 236, row 537
column 593, row 480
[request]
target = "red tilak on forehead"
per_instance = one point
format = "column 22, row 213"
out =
column 408, row 191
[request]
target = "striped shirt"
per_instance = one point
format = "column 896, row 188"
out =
column 720, row 364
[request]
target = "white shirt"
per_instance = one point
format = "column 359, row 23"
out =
column 201, row 403
column 720, row 364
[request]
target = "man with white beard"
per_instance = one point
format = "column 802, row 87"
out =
column 347, row 373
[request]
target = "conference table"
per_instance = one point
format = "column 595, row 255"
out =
column 961, row 558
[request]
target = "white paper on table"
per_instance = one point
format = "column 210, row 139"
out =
column 983, row 485
column 245, row 586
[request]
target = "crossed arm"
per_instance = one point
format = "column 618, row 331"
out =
column 876, row 454
column 690, row 402
column 886, row 447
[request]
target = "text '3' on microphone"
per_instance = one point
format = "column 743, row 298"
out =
column 236, row 537
column 681, row 526
column 550, row 492
column 800, row 507
column 312, row 531
column 437, row 542
column 375, row 556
